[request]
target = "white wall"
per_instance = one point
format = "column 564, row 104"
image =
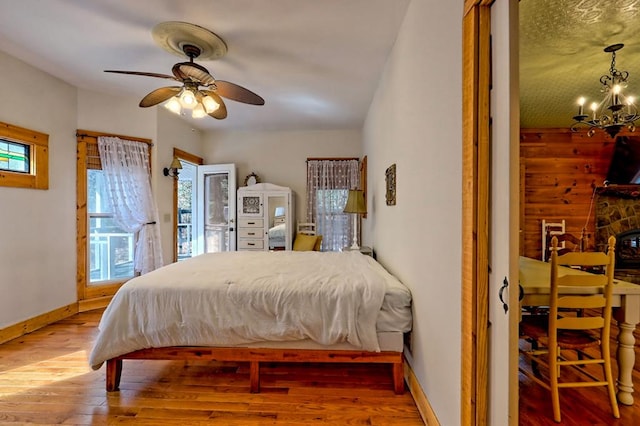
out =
column 38, row 242
column 415, row 122
column 279, row 157
column 38, row 238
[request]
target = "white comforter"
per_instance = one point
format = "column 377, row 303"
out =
column 236, row 298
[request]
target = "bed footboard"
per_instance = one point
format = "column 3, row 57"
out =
column 255, row 356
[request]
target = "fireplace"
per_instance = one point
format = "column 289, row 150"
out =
column 628, row 250
column 617, row 213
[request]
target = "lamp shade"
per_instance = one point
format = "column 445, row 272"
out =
column 175, row 163
column 355, row 202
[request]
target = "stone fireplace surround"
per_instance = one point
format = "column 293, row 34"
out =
column 617, row 213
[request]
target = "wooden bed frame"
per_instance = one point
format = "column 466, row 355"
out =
column 256, row 355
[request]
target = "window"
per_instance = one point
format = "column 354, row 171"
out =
column 105, row 250
column 328, row 184
column 110, row 247
column 24, row 161
column 14, row 157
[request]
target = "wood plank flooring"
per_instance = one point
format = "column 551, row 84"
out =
column 579, row 407
column 45, row 379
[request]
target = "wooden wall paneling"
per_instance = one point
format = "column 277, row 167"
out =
column 561, row 171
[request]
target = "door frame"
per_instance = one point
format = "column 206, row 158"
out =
column 190, row 158
column 476, row 141
column 476, row 63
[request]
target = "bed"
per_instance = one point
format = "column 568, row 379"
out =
column 258, row 307
column 277, row 236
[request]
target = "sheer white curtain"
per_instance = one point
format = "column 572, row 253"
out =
column 328, row 184
column 125, row 165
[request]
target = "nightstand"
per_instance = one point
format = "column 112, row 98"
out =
column 367, row 251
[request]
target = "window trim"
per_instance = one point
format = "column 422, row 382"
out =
column 38, row 143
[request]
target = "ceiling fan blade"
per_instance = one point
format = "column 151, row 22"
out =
column 219, row 113
column 146, row 74
column 238, row 93
column 194, row 72
column 159, row 95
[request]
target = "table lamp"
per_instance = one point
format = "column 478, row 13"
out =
column 356, row 206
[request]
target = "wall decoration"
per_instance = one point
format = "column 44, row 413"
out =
column 390, row 177
column 251, row 179
column 363, row 181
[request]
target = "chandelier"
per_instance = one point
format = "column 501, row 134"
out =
column 616, row 110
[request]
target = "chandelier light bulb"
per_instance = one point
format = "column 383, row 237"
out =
column 198, row 111
column 210, row 104
column 581, row 101
column 616, row 93
column 173, row 105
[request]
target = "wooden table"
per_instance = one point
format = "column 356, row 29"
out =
column 534, row 279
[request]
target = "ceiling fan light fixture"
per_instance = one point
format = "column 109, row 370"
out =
column 198, row 112
column 173, row 105
column 200, row 92
column 188, row 99
column 210, row 104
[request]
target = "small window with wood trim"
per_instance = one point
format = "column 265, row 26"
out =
column 14, row 156
column 24, row 161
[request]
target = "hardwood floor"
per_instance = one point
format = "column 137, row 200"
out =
column 579, row 407
column 45, row 379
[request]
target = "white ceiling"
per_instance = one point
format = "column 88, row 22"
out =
column 562, row 57
column 315, row 62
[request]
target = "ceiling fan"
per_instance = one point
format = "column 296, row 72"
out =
column 199, row 92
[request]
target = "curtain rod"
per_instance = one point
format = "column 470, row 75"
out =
column 332, row 158
column 94, row 135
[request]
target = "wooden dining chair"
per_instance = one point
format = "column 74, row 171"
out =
column 566, row 243
column 560, row 335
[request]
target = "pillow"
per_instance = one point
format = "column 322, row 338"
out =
column 304, row 242
column 318, row 244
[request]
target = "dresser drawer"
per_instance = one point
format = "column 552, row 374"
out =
column 250, row 223
column 250, row 233
column 250, row 244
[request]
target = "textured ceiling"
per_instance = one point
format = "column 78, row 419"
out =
column 316, row 63
column 562, row 57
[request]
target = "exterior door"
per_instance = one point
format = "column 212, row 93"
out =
column 216, row 204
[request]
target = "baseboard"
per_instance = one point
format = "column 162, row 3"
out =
column 426, row 412
column 95, row 303
column 27, row 326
